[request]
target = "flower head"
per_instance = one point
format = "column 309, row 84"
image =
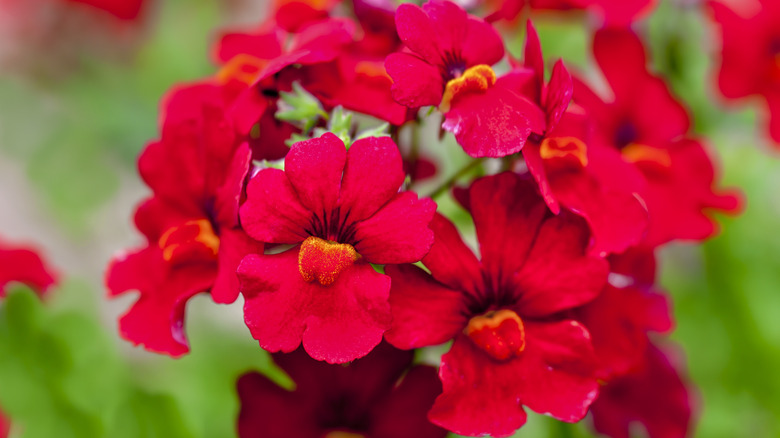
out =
column 514, row 345
column 381, row 394
column 342, row 211
column 194, row 243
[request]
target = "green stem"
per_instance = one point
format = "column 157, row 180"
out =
column 454, row 178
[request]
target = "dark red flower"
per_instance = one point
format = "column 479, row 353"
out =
column 343, row 211
column 379, row 396
column 194, row 243
column 23, row 264
column 513, row 346
column 750, row 59
column 654, row 396
column 635, row 152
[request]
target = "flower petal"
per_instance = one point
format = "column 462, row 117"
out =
column 372, row 175
column 450, row 261
column 480, row 397
column 337, row 323
column 557, row 275
column 416, row 82
column 272, row 212
column 234, row 244
column 314, row 168
column 425, row 312
column 398, row 232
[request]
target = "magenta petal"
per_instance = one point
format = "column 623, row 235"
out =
column 337, row 323
column 557, row 275
column 234, row 244
column 480, row 395
column 372, row 175
column 314, row 168
column 495, row 123
column 532, row 55
column 558, row 369
column 425, row 312
column 398, row 232
column 416, row 82
column 272, row 212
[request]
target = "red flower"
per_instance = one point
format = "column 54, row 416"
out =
column 24, row 265
column 750, row 61
column 5, row 426
column 343, row 211
column 194, row 244
column 654, row 396
column 380, row 395
column 513, row 346
column 449, row 67
column 631, row 151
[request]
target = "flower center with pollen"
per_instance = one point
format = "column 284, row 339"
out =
column 193, row 240
column 323, row 260
column 565, row 151
column 501, row 334
column 475, row 79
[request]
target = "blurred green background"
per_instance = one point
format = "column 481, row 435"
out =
column 69, row 135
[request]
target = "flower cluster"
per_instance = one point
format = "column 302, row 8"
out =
column 263, row 187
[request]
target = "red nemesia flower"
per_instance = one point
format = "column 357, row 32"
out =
column 655, row 396
column 343, row 211
column 626, row 310
column 750, row 60
column 24, row 264
column 194, row 244
column 380, row 395
column 512, row 346
column 631, row 151
column 450, row 66
column 558, row 160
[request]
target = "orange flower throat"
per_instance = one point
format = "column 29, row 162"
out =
column 500, row 334
column 323, row 260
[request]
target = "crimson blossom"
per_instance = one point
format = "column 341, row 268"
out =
column 514, row 343
column 634, row 151
column 194, row 243
column 449, row 65
column 379, row 396
column 24, row 265
column 750, row 59
column 342, row 210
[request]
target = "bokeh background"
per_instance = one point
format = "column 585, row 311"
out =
column 79, row 97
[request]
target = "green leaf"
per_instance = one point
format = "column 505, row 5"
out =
column 145, row 415
column 300, row 106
